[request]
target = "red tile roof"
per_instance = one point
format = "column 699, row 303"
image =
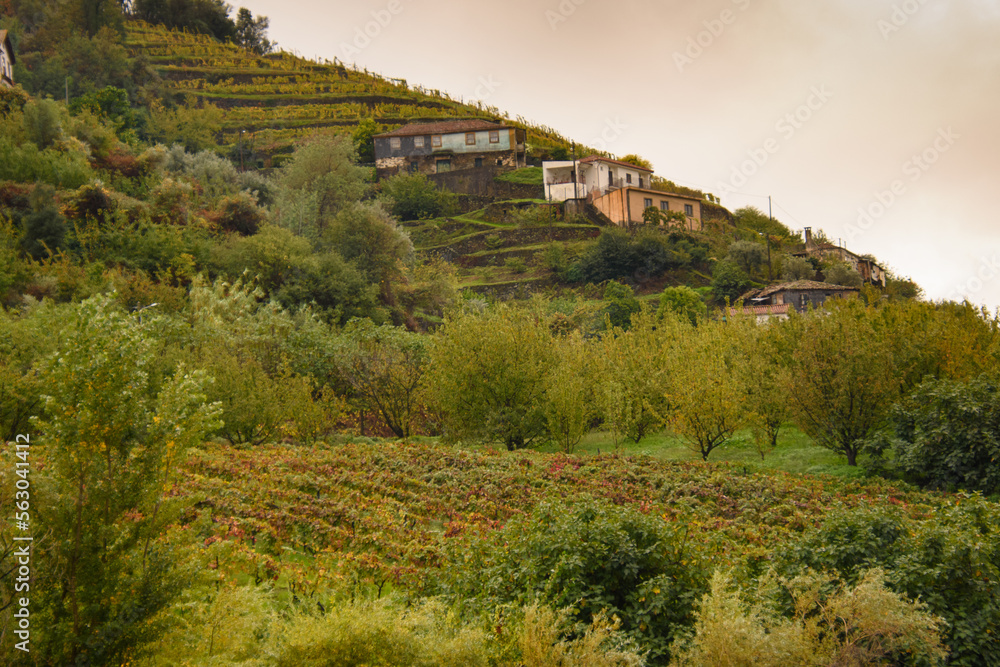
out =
column 779, row 309
column 598, row 158
column 444, row 127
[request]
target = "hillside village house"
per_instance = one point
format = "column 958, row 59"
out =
column 6, row 60
column 869, row 270
column 800, row 295
column 619, row 190
column 434, row 148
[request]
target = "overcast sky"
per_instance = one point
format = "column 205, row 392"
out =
column 889, row 108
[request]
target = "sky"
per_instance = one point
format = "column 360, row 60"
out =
column 877, row 121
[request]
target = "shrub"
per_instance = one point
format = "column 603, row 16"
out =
column 516, row 264
column 240, row 214
column 843, row 273
column 592, row 559
column 413, row 197
column 946, row 435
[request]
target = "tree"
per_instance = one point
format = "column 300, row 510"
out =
column 569, row 392
column 385, row 366
column 488, row 375
column 946, row 435
column 632, row 158
column 324, row 167
column 706, row 393
column 113, row 437
column 633, row 376
column 684, row 302
column 368, row 237
column 729, row 281
column 748, row 255
column 843, row 377
column 844, row 274
column 798, row 268
column 251, row 33
column 762, row 373
column 621, row 304
column 364, row 142
column 413, row 197
column 195, row 128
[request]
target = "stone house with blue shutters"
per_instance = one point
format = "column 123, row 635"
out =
column 453, row 145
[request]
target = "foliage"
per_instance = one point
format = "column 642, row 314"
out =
column 413, row 197
column 240, row 214
column 113, row 440
column 542, row 645
column 684, row 302
column 364, row 142
column 949, row 559
column 946, row 435
column 729, row 282
column 569, row 393
column 385, row 367
column 592, row 558
column 706, row 393
column 752, row 218
column 210, row 17
column 621, row 304
column 762, row 373
column 251, row 33
column 797, row 268
column 617, row 254
column 189, row 125
column 747, row 255
column 867, row 624
column 324, row 167
column 843, row 273
column 487, row 375
column 634, row 369
column 843, row 377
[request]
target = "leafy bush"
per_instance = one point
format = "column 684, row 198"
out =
column 729, row 282
column 646, row 254
column 798, row 268
column 861, row 625
column 949, row 560
column 621, row 304
column 592, row 559
column 843, row 273
column 946, row 435
column 684, row 302
column 413, row 197
column 240, row 214
column 516, row 264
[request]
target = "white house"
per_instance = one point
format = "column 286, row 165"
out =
column 6, row 60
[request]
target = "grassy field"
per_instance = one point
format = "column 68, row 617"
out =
column 796, row 452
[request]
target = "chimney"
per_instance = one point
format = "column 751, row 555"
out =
column 809, row 234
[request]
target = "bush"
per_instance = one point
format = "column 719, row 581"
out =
column 592, row 559
column 946, row 435
column 516, row 264
column 729, row 282
column 413, row 197
column 949, row 560
column 240, row 214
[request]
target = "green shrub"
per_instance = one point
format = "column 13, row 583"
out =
column 413, row 197
column 946, row 435
column 593, row 559
column 516, row 264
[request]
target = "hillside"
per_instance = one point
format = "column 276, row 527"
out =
column 280, row 98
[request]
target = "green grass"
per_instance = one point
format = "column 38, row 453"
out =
column 525, row 176
column 796, row 452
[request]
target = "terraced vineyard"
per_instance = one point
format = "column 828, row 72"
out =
column 281, row 97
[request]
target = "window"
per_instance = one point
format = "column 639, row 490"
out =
column 436, row 141
column 443, row 166
column 414, row 166
column 664, row 206
column 689, row 210
column 647, row 203
column 628, row 178
column 494, row 136
column 394, row 143
column 479, row 162
column 499, row 162
column 418, row 142
column 470, row 138
column 803, row 301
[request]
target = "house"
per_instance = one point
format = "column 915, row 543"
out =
column 620, row 190
column 762, row 313
column 800, row 295
column 6, row 60
column 453, row 145
column 869, row 270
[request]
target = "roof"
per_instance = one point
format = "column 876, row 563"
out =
column 662, row 193
column 5, row 40
column 444, row 127
column 778, row 309
column 598, row 158
column 799, row 285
